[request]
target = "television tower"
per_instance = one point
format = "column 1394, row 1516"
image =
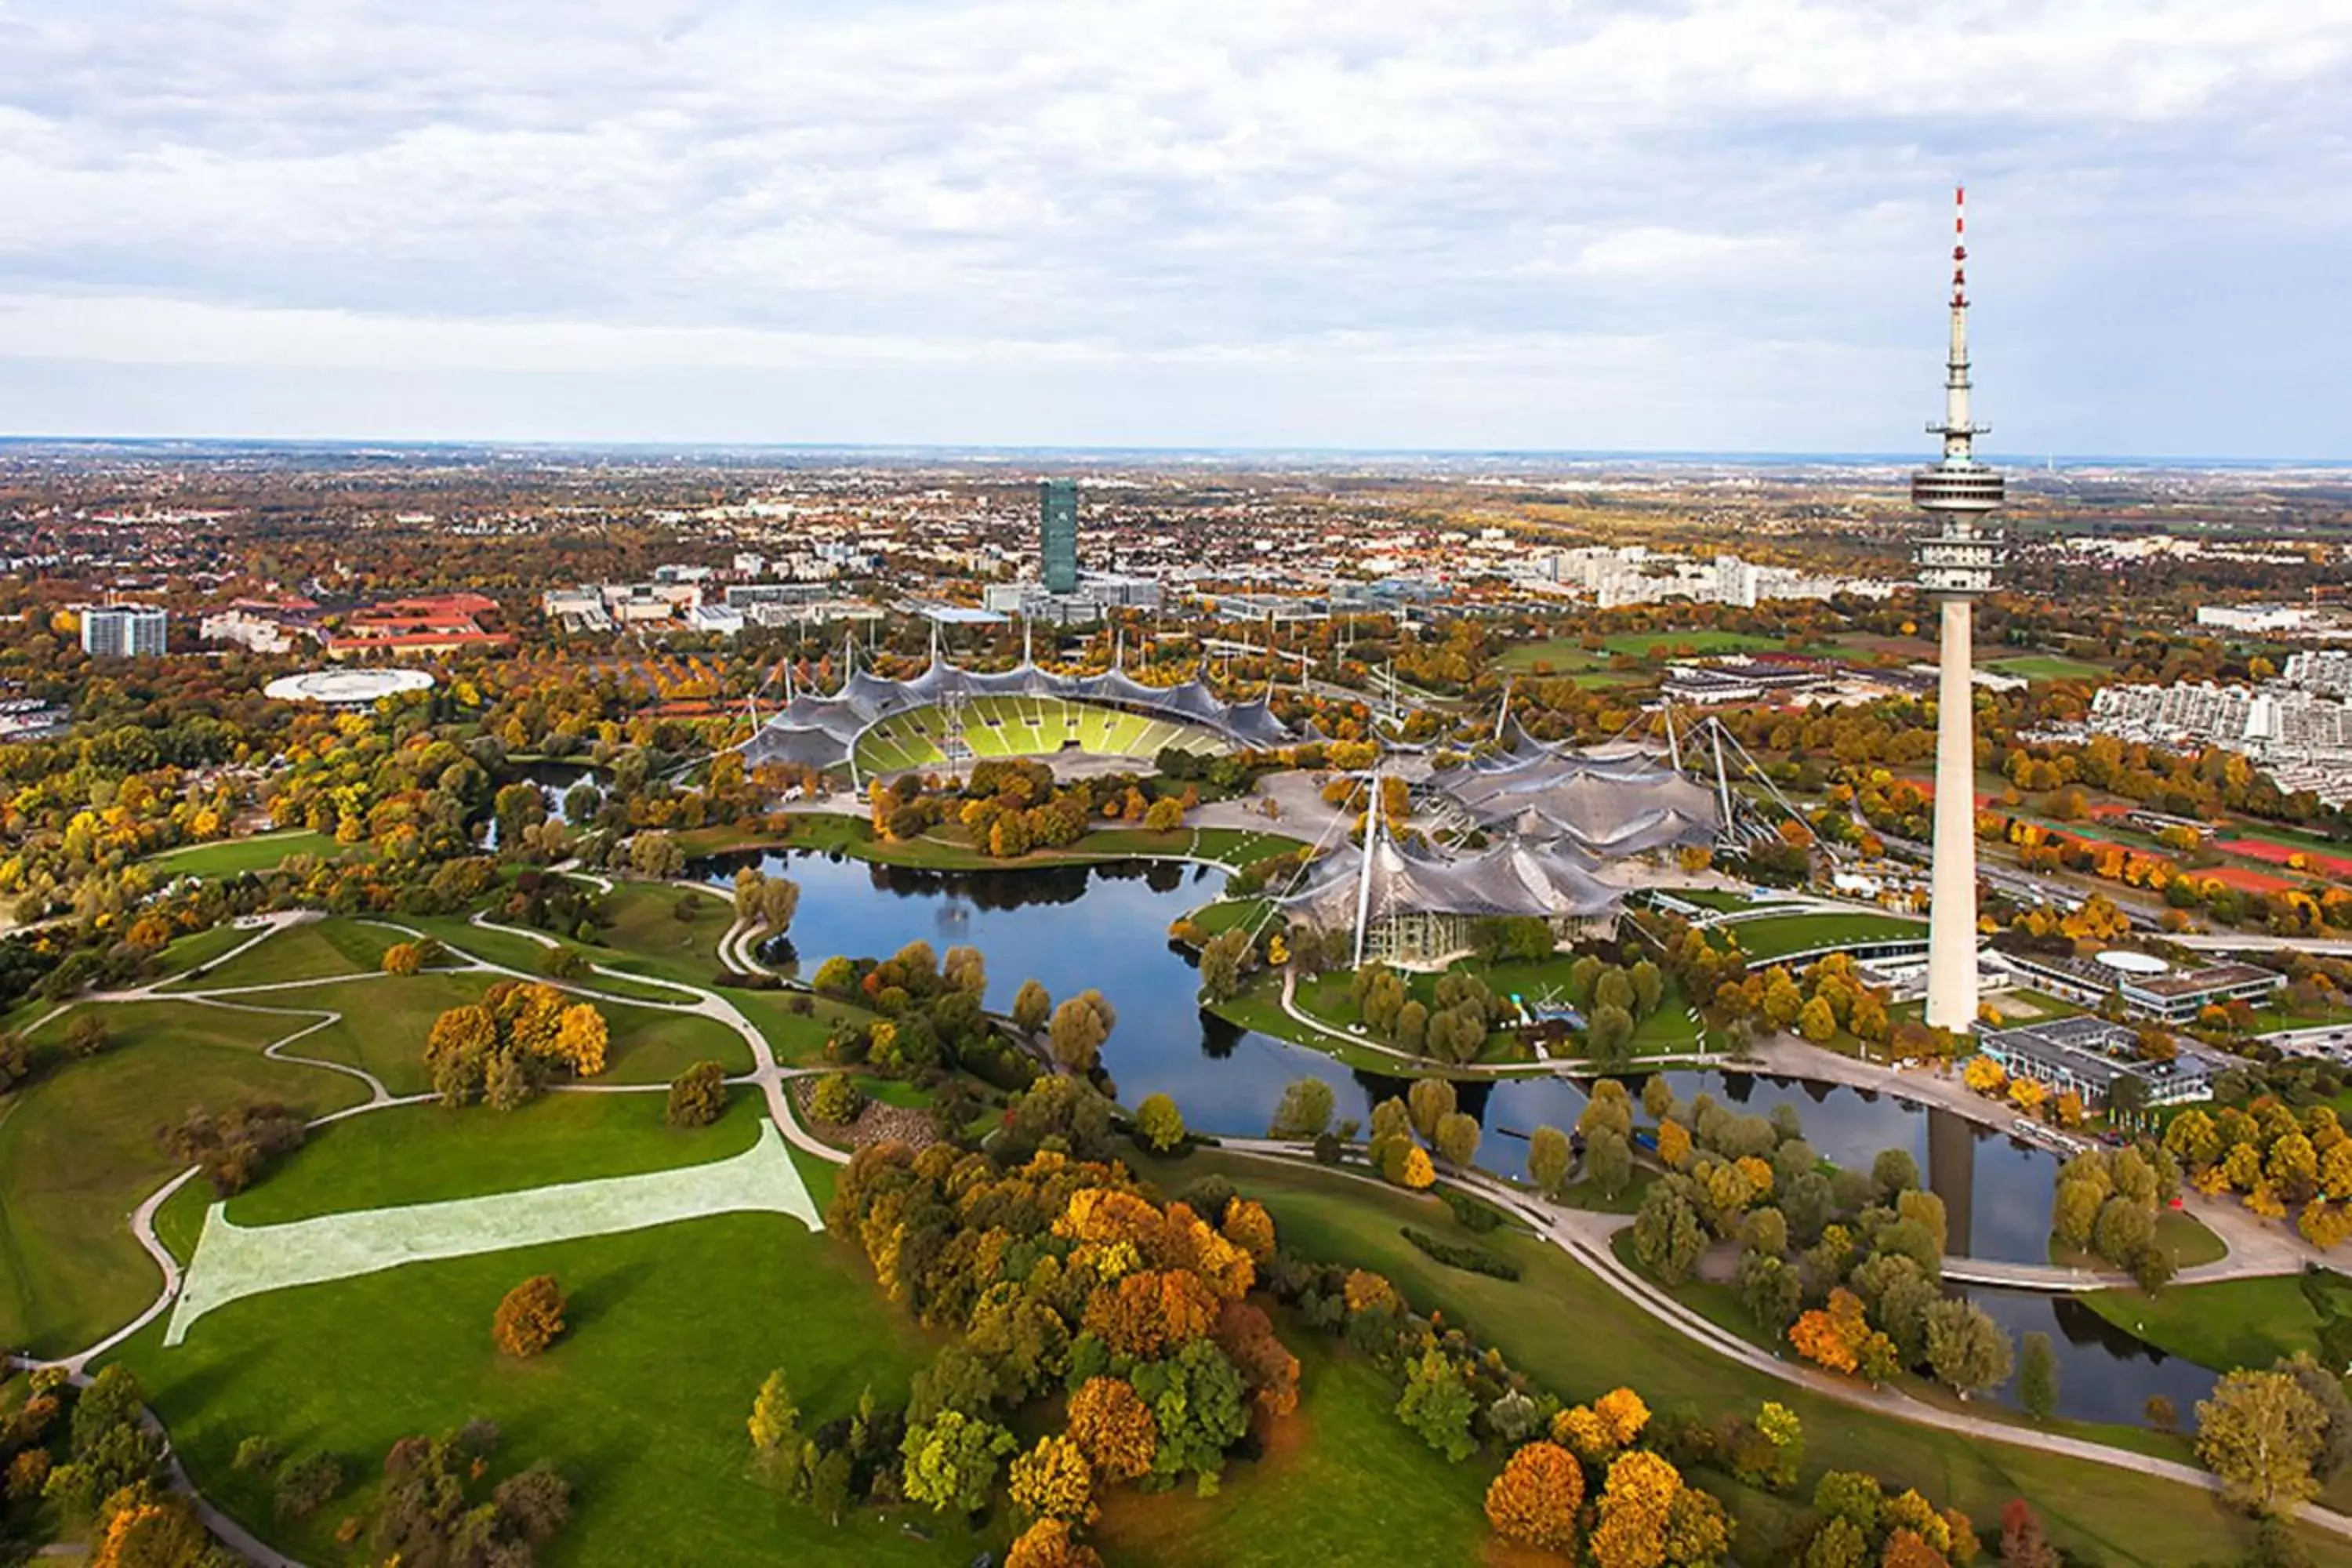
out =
column 1957, row 564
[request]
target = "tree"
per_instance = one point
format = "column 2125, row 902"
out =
column 698, row 1097
column 657, row 856
column 1222, row 958
column 1159, row 1122
column 1047, row 1544
column 1078, row 1029
column 1032, row 1006
column 1416, row 1173
column 837, row 1099
column 1832, row 1337
column 1610, row 1036
column 1609, row 1161
column 1535, row 1501
column 774, row 1418
column 1894, row 1172
column 1437, row 1403
column 1768, row 1288
column 145, row 1529
column 1457, row 1139
column 1114, row 1429
column 1636, row 1507
column 1430, row 1101
column 403, row 958
column 1548, row 1158
column 1667, row 1236
column 2037, row 1379
column 1305, row 1110
column 1200, row 1403
column 1053, row 1481
column 86, row 1037
column 966, row 970
column 952, row 1461
column 1967, row 1350
column 1673, row 1144
column 530, row 1318
column 2022, row 1544
column 2262, row 1433
column 580, row 1040
column 2328, row 1391
column 1816, row 1022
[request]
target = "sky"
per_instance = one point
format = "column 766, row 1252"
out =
column 1720, row 225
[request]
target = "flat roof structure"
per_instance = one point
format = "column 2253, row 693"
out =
column 2088, row 1054
column 346, row 688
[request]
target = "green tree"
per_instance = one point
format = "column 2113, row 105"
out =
column 1032, row 1006
column 697, row 1096
column 1608, row 1160
column 952, row 1461
column 1222, row 957
column 1159, row 1122
column 1430, row 1101
column 1457, row 1138
column 1610, row 1036
column 2262, row 1433
column 1198, row 1401
column 1667, row 1236
column 1966, row 1349
column 1305, row 1110
column 1548, row 1158
column 1437, row 1403
column 1078, row 1029
column 2037, row 1378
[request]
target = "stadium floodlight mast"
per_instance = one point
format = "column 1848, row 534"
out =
column 1958, row 564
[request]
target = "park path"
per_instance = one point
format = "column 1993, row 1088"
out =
column 1586, row 1236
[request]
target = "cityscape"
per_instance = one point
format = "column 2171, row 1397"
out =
column 929, row 787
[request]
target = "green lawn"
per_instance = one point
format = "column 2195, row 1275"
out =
column 2177, row 1232
column 646, row 936
column 1342, row 1480
column 228, row 856
column 1580, row 1337
column 1648, row 644
column 312, row 951
column 2230, row 1323
column 1768, row 937
column 797, row 1041
column 200, row 948
column 2046, row 666
column 385, row 1022
column 78, row 1153
column 424, row 1154
column 641, row 1405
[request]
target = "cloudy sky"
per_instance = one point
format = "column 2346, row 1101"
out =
column 1717, row 225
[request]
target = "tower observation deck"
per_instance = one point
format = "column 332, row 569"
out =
column 1961, row 559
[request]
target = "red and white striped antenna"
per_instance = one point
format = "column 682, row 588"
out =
column 1960, row 245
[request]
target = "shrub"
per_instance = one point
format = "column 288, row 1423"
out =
column 835, row 1099
column 306, row 1484
column 564, row 964
column 1474, row 1217
column 1463, row 1255
column 698, row 1097
column 530, row 1318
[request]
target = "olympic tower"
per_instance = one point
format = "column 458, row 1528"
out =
column 1957, row 564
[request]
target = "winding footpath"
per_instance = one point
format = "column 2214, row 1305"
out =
column 768, row 1075
column 1586, row 1236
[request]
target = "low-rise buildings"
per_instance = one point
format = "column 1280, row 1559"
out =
column 2087, row 1057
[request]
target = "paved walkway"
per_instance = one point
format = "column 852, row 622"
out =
column 1585, row 1237
column 234, row 1261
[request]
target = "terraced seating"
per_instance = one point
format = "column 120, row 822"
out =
column 1019, row 726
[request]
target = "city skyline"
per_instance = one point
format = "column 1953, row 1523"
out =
column 994, row 225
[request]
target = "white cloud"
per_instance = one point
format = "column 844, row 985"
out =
column 531, row 186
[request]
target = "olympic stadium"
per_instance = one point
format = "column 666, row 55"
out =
column 947, row 715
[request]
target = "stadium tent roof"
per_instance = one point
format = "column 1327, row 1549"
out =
column 1514, row 877
column 1610, row 803
column 819, row 732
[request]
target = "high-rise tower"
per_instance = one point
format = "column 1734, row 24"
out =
column 1057, row 518
column 1955, row 565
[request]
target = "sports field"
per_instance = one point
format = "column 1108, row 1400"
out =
column 1023, row 727
column 1771, row 936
